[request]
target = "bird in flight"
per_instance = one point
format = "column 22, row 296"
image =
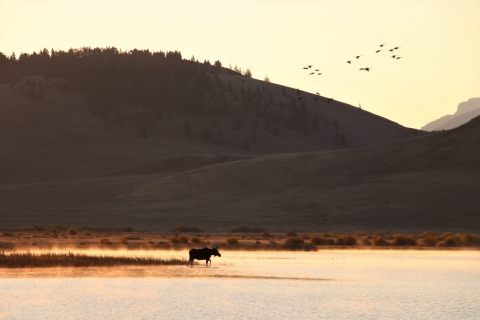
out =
column 367, row 69
column 378, row 51
column 391, row 50
column 310, row 65
column 393, row 56
column 305, row 68
column 382, row 45
column 349, row 62
column 396, row 48
column 319, row 74
column 362, row 68
column 399, row 57
column 311, row 73
column 357, row 57
column 317, row 70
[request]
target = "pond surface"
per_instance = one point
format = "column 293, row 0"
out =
column 333, row 284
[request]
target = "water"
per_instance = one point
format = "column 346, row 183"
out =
column 334, row 284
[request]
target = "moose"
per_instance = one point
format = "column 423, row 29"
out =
column 202, row 254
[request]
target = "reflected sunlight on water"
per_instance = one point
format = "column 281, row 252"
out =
column 274, row 285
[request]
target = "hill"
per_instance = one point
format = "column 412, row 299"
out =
column 429, row 182
column 466, row 111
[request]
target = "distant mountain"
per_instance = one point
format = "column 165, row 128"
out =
column 466, row 111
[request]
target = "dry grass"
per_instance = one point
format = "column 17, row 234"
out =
column 232, row 240
column 246, row 229
column 45, row 260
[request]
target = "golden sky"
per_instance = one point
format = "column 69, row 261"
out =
column 439, row 40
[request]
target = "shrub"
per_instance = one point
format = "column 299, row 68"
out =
column 246, row 229
column 54, row 231
column 105, row 242
column 279, row 236
column 123, row 241
column 360, row 234
column 330, row 234
column 174, row 240
column 291, row 233
column 379, row 235
column 319, row 241
column 232, row 240
column 469, row 240
column 272, row 242
column 445, row 235
column 265, row 235
column 451, row 241
column 430, row 240
column 294, row 240
column 380, row 242
column 87, row 233
column 183, row 238
column 427, row 233
column 364, row 241
column 71, row 231
column 195, row 240
column 404, row 240
column 346, row 240
column 185, row 228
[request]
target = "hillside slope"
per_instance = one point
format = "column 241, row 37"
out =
column 57, row 138
column 430, row 182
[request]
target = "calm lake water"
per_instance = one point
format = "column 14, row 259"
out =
column 329, row 284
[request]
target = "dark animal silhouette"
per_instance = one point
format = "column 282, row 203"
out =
column 320, row 74
column 349, row 62
column 305, row 68
column 382, row 45
column 357, row 57
column 367, row 69
column 378, row 51
column 362, row 68
column 312, row 73
column 310, row 65
column 393, row 56
column 317, row 69
column 202, row 254
column 396, row 48
column 399, row 57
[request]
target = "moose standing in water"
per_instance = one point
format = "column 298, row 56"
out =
column 202, row 254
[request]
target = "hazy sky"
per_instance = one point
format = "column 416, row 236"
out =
column 439, row 40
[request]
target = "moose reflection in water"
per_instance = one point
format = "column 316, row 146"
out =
column 202, row 254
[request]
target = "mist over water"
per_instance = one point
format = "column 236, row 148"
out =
column 330, row 284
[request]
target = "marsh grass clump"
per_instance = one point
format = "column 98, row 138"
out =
column 246, row 229
column 346, row 240
column 272, row 242
column 123, row 241
column 279, row 236
column 186, row 228
column 105, row 242
column 294, row 240
column 71, row 231
column 45, row 260
column 87, row 233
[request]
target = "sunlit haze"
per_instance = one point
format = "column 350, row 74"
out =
column 439, row 43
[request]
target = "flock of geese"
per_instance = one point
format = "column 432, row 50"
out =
column 396, row 57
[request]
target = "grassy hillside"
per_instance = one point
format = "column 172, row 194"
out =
column 428, row 182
